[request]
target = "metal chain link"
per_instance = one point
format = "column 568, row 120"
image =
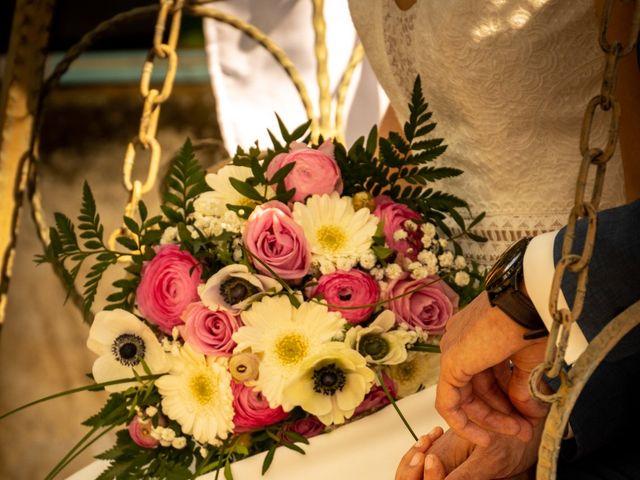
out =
column 586, row 205
column 153, row 99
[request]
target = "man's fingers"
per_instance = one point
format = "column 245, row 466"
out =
column 479, row 412
column 411, row 465
column 485, row 385
column 449, row 401
column 433, row 468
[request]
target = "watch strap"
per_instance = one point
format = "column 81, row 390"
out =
column 521, row 310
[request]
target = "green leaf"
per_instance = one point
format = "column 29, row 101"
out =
column 281, row 174
column 372, row 140
column 227, row 471
column 131, row 224
column 283, row 130
column 294, row 447
column 382, row 253
column 246, row 190
column 127, row 242
column 268, row 459
column 299, row 132
column 476, row 238
column 184, row 181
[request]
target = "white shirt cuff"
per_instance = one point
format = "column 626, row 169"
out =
column 539, row 268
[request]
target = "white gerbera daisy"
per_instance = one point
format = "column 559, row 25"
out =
column 331, row 383
column 333, row 228
column 379, row 343
column 122, row 342
column 284, row 336
column 224, row 192
column 197, row 394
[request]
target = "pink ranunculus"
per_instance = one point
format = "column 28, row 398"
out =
column 209, row 331
column 429, row 307
column 315, row 172
column 394, row 215
column 307, row 427
column 252, row 410
column 140, row 432
column 376, row 398
column 348, row 289
column 169, row 282
column 273, row 237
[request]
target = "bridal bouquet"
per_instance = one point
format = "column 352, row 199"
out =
column 293, row 290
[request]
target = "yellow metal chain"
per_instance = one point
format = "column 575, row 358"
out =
column 153, row 99
column 586, row 205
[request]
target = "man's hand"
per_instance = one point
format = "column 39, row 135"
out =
column 484, row 355
column 454, row 458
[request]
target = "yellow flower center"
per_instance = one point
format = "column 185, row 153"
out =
column 331, row 238
column 246, row 202
column 291, row 348
column 202, row 388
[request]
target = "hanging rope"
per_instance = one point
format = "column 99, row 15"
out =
column 585, row 206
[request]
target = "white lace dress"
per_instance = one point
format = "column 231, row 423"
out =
column 508, row 82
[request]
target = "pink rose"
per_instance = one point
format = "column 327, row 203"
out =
column 348, row 289
column 273, row 237
column 315, row 171
column 209, row 331
column 169, row 283
column 252, row 410
column 376, row 398
column 429, row 308
column 307, row 427
column 140, row 432
column 394, row 215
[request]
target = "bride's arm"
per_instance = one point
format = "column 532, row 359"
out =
column 628, row 93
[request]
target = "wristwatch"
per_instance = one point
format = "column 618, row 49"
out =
column 504, row 287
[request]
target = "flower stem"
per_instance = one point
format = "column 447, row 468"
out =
column 75, row 451
column 95, row 386
column 395, row 405
column 285, row 285
column 424, row 347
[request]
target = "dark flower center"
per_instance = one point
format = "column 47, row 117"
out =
column 373, row 345
column 329, row 379
column 235, row 290
column 344, row 294
column 128, row 349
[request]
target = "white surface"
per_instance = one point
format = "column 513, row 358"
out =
column 369, row 448
column 539, row 269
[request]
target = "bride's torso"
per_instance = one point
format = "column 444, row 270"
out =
column 508, row 82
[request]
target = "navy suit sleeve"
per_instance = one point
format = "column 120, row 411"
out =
column 614, row 272
column 607, row 407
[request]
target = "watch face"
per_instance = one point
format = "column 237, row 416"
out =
column 506, row 265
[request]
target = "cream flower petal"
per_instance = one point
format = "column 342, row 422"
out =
column 106, row 368
column 107, row 325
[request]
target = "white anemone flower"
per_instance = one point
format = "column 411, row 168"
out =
column 284, row 336
column 234, row 287
column 123, row 342
column 331, row 383
column 333, row 228
column 197, row 394
column 225, row 193
column 420, row 370
column 379, row 343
